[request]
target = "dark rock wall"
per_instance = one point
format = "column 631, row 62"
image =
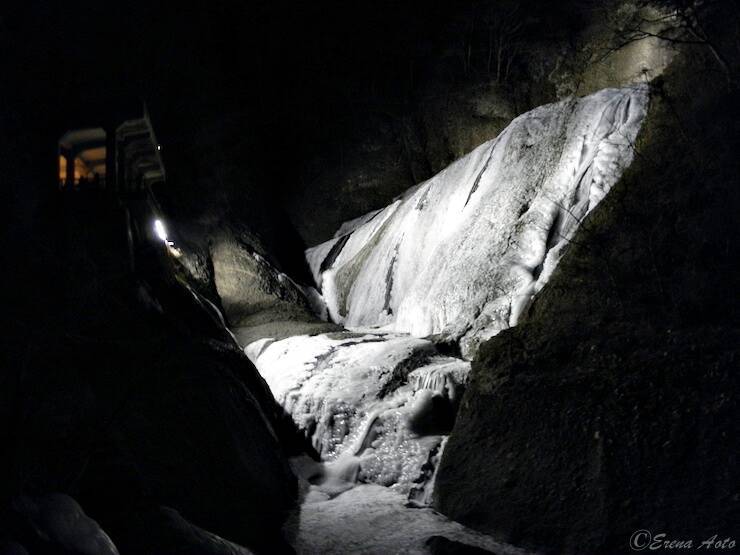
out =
column 259, row 300
column 613, row 406
column 125, row 393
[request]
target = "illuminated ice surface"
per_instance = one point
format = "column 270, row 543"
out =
column 463, row 254
column 375, row 405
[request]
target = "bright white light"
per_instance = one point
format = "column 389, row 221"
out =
column 160, row 230
column 159, row 147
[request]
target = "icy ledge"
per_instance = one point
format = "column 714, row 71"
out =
column 462, row 255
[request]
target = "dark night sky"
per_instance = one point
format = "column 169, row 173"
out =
column 266, row 84
column 265, row 57
column 280, row 71
column 286, row 67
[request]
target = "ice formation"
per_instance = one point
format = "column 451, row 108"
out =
column 458, row 258
column 375, row 405
column 462, row 254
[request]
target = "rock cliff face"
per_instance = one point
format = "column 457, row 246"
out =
column 258, row 299
column 390, row 149
column 461, row 255
column 610, row 406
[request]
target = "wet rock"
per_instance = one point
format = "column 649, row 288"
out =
column 164, row 531
column 258, row 299
column 12, row 548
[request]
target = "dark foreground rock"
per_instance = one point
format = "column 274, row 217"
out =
column 613, row 407
column 128, row 396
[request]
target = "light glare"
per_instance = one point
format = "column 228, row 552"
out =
column 160, row 230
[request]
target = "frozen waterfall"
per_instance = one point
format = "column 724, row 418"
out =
column 463, row 253
column 455, row 259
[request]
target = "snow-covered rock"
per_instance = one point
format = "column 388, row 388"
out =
column 462, row 255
